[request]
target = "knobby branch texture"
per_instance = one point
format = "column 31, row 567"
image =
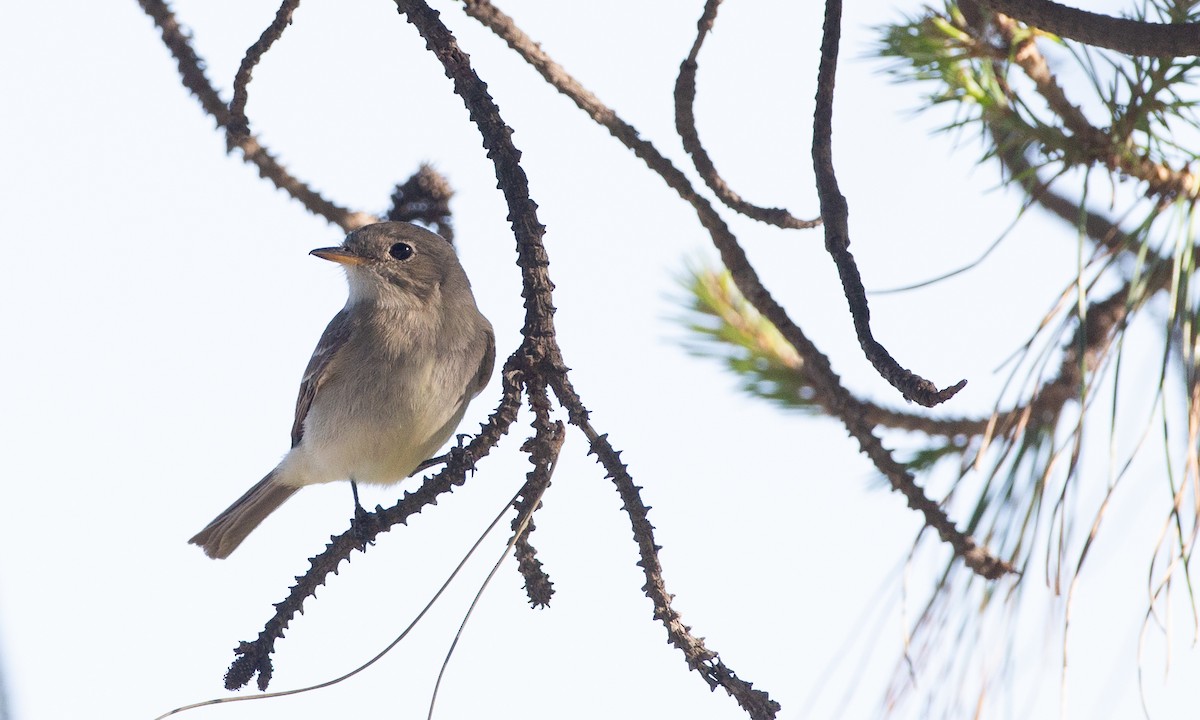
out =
column 543, row 451
column 424, row 197
column 238, row 127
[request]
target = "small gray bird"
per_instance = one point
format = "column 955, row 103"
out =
column 389, row 381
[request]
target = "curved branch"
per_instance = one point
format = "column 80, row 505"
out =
column 543, row 449
column 192, row 74
column 716, row 673
column 1131, row 37
column 837, row 230
column 685, row 125
column 830, row 392
column 238, row 127
column 775, row 364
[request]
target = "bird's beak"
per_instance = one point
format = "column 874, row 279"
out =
column 339, row 255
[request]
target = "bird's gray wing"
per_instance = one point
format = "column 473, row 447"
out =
column 333, row 339
column 486, row 363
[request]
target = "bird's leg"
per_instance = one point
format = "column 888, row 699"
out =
column 458, row 452
column 362, row 519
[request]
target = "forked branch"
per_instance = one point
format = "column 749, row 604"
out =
column 192, row 75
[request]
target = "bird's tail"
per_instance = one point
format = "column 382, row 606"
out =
column 222, row 536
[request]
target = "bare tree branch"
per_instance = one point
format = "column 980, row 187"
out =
column 835, row 214
column 685, row 124
column 543, row 449
column 238, row 127
column 1131, row 37
column 756, row 703
column 191, row 71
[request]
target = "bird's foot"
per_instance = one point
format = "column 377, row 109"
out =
column 363, row 522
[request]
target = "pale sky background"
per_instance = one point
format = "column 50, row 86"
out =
column 159, row 307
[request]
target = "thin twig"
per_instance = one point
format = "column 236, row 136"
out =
column 704, row 661
column 238, row 127
column 685, row 125
column 835, row 214
column 191, row 71
column 547, row 443
column 543, row 449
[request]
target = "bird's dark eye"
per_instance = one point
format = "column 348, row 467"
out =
column 401, row 251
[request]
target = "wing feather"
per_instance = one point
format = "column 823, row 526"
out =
column 336, row 334
column 486, row 364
